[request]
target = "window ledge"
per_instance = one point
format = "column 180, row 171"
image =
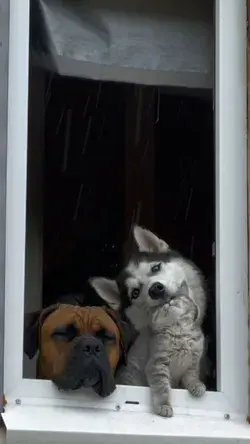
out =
column 37, row 425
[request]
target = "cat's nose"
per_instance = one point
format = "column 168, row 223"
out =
column 157, row 290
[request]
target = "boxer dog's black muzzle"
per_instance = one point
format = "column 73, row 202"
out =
column 87, row 366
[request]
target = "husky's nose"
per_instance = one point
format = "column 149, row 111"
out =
column 157, row 290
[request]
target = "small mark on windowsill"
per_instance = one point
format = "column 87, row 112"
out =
column 132, row 402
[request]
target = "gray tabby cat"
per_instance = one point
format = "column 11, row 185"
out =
column 175, row 349
column 163, row 294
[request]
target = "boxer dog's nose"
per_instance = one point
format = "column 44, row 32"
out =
column 91, row 346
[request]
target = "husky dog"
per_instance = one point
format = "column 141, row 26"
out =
column 164, row 296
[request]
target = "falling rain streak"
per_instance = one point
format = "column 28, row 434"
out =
column 67, row 140
column 92, row 106
column 78, row 202
column 87, row 135
column 86, row 108
column 60, row 119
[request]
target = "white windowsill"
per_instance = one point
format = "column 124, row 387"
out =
column 36, row 424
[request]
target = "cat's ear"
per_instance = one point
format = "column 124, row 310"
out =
column 108, row 290
column 183, row 289
column 148, row 241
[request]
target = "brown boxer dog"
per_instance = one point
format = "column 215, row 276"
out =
column 78, row 346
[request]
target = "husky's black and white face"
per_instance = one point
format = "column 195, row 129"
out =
column 152, row 277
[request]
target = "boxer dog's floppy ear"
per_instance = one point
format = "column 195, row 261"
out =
column 127, row 332
column 32, row 324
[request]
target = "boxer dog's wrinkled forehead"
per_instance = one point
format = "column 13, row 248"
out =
column 85, row 320
column 78, row 346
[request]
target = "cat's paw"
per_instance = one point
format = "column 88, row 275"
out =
column 197, row 389
column 164, row 410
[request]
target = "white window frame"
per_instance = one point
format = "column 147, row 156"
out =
column 231, row 234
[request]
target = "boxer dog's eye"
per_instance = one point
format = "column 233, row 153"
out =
column 106, row 336
column 65, row 332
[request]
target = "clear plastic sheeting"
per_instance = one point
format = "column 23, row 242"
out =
column 149, row 42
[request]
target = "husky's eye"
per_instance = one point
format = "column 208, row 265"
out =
column 135, row 293
column 156, row 268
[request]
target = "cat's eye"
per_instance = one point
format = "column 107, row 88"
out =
column 135, row 293
column 156, row 268
column 106, row 336
column 65, row 332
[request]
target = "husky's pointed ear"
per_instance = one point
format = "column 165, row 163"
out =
column 108, row 290
column 148, row 241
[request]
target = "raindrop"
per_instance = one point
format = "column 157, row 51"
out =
column 78, row 202
column 60, row 120
column 158, row 107
column 98, row 94
column 67, row 140
column 189, row 202
column 86, row 107
column 87, row 135
column 48, row 90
